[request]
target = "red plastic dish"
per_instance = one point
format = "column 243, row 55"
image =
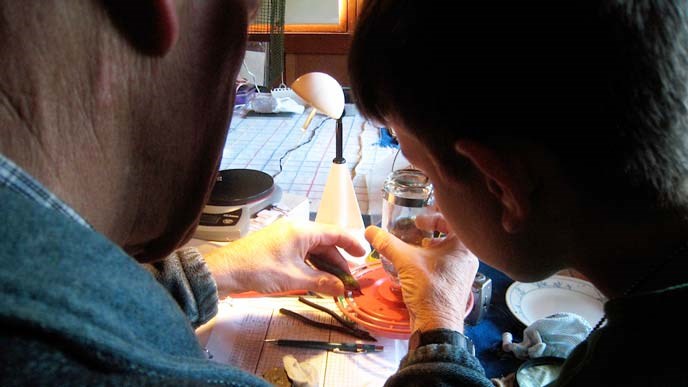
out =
column 380, row 308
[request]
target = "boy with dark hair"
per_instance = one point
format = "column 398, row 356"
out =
column 555, row 134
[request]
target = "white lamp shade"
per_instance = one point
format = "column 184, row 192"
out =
column 322, row 92
column 338, row 206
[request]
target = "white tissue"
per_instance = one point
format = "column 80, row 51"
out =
column 301, row 374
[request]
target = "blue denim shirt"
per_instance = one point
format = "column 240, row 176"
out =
column 77, row 310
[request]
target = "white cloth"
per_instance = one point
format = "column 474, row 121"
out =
column 301, row 374
column 267, row 103
column 554, row 335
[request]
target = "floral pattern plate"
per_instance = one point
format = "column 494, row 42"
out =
column 535, row 300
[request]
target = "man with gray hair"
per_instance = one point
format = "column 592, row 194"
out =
column 113, row 117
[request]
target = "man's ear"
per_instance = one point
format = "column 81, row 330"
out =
column 508, row 179
column 152, row 26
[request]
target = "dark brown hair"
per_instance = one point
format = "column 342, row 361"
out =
column 600, row 83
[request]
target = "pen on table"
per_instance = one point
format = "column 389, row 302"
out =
column 336, row 347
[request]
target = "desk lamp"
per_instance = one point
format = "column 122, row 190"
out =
column 338, row 204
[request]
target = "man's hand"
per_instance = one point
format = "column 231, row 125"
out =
column 272, row 259
column 436, row 278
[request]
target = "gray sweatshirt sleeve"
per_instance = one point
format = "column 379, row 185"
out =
column 439, row 365
column 185, row 275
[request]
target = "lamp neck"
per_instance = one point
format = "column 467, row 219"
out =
column 339, row 156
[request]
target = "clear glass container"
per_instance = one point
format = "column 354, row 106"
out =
column 407, row 193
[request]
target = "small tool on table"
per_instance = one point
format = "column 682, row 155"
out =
column 335, row 347
column 348, row 327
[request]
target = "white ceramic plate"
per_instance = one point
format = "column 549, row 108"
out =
column 557, row 294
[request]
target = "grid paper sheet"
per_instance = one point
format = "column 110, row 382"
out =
column 259, row 141
column 243, row 323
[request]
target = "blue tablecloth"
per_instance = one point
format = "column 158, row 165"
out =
column 487, row 334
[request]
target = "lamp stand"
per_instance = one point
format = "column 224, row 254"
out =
column 338, row 205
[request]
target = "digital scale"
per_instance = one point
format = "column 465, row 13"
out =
column 237, row 196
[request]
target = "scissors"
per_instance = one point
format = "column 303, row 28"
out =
column 348, row 327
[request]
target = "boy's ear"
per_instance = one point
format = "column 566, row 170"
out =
column 506, row 178
column 152, row 26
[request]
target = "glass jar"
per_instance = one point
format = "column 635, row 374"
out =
column 407, row 193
